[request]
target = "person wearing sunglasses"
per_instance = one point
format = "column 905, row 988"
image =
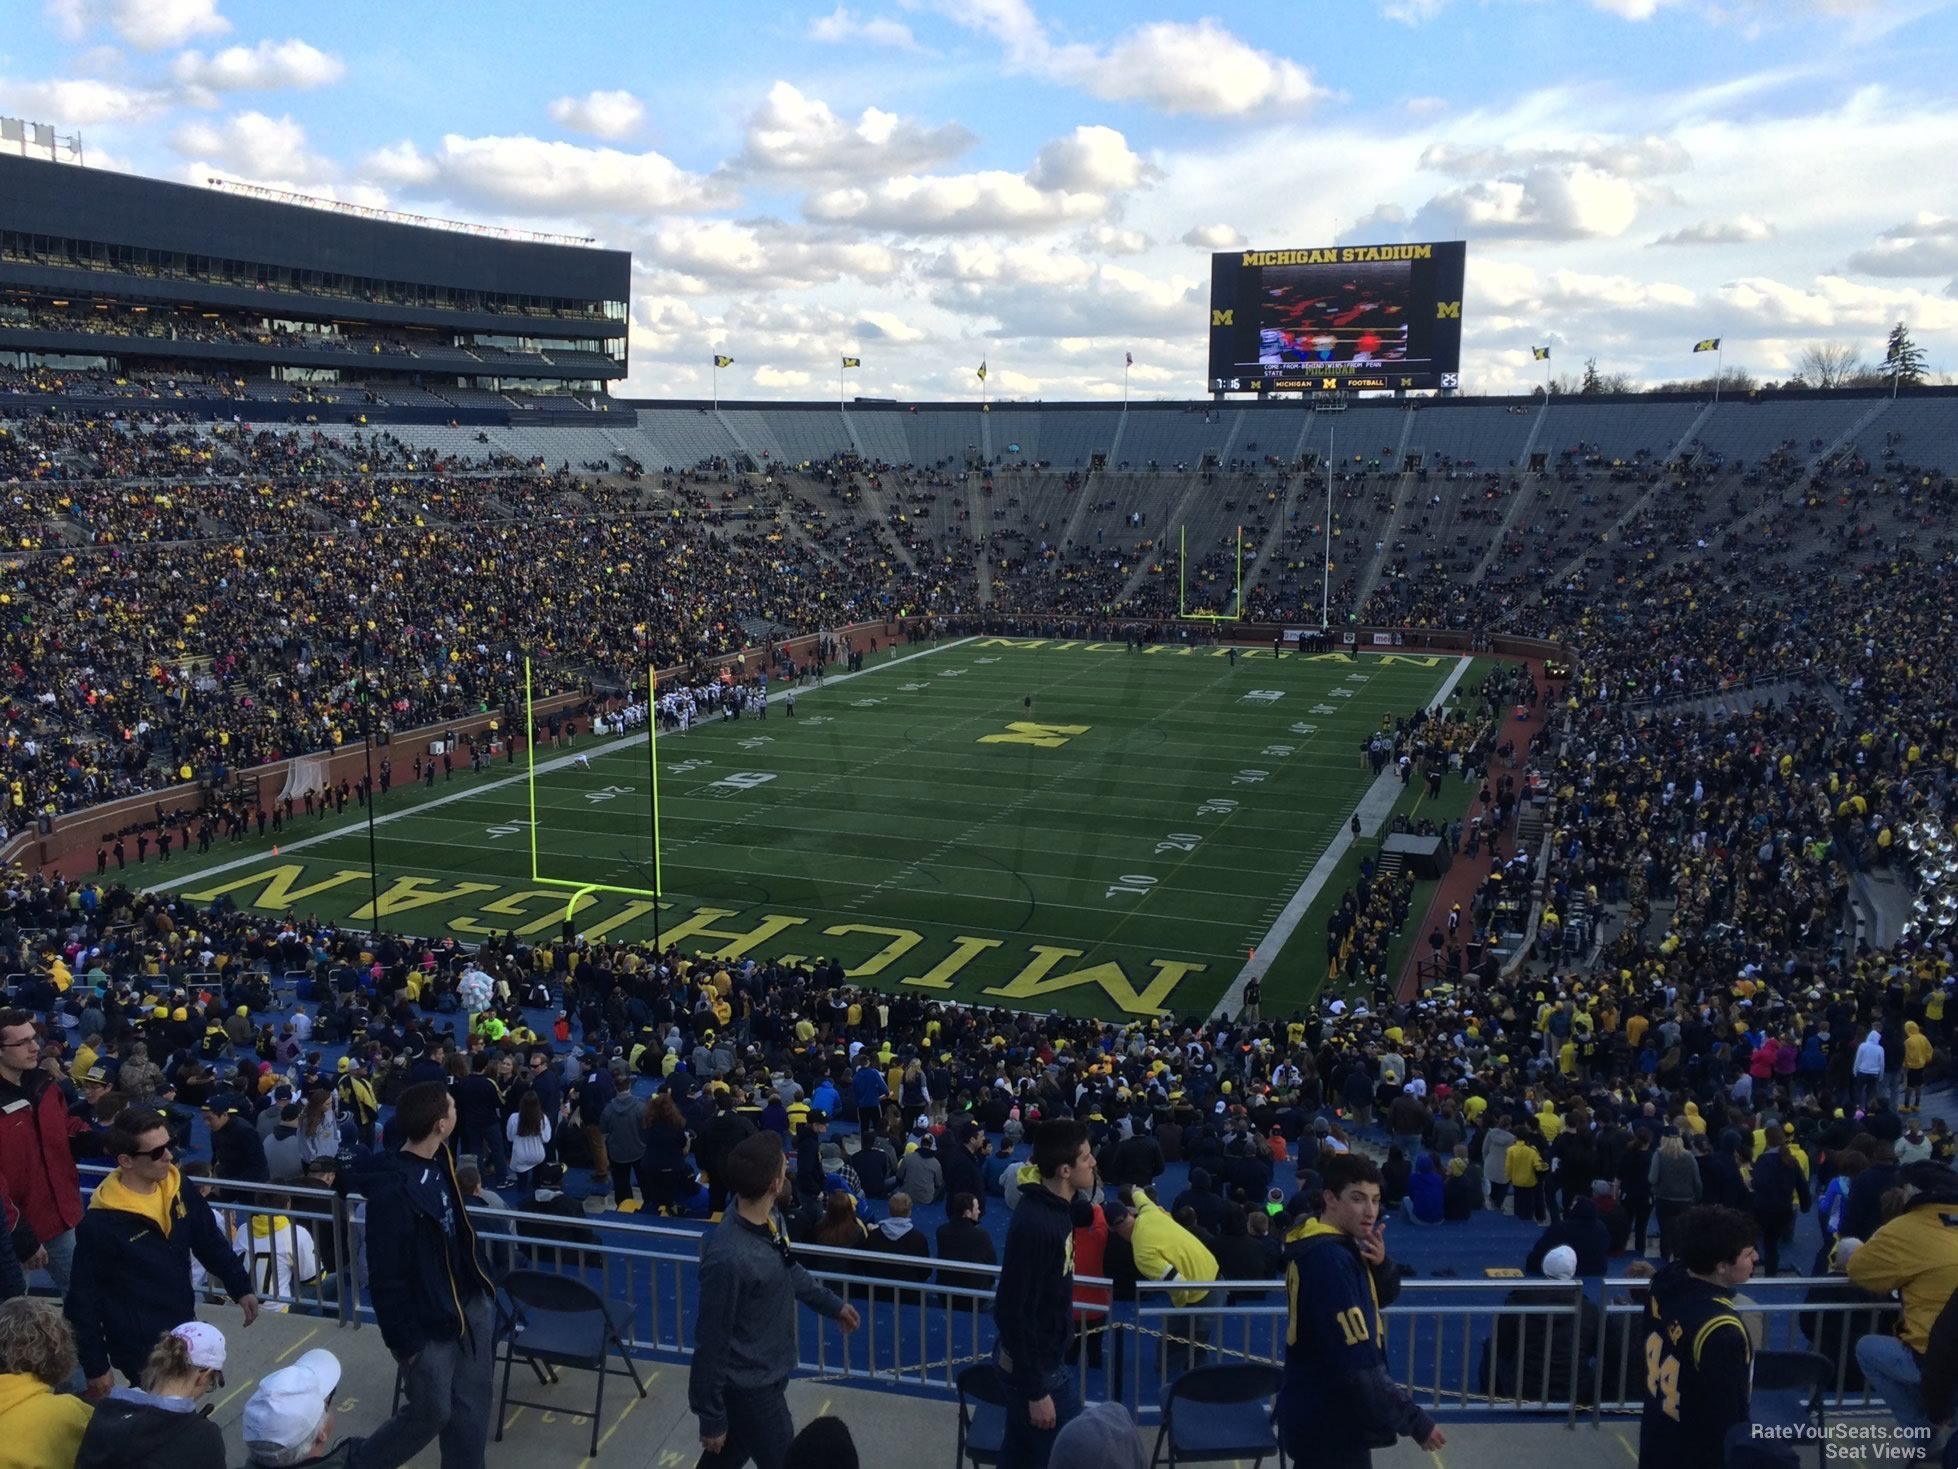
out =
column 133, row 1250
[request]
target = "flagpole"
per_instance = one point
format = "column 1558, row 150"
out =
column 717, row 387
column 1126, row 365
column 1717, row 370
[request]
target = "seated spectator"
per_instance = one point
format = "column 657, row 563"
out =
column 897, row 1236
column 1394, row 1176
column 1461, row 1194
column 1583, row 1232
column 961, row 1238
column 289, row 1417
column 39, row 1429
column 279, row 1254
column 920, row 1174
column 1425, row 1192
column 1539, row 1354
column 1100, row 1436
column 164, row 1423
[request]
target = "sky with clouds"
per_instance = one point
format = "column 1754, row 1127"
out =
column 1038, row 184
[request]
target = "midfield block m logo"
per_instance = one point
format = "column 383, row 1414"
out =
column 1047, row 736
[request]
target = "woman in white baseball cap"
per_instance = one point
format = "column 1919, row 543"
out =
column 165, row 1423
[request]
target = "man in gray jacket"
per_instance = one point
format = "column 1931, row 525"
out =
column 744, row 1332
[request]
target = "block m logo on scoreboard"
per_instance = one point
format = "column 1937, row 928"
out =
column 1448, row 311
column 1047, row 736
column 1223, row 318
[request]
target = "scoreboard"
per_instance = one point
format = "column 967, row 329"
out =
column 1341, row 318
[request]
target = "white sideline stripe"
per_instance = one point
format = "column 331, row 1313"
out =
column 1374, row 808
column 558, row 762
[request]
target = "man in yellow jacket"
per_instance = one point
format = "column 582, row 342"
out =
column 1917, row 1055
column 1165, row 1250
column 1915, row 1255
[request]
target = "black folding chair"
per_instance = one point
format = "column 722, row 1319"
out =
column 1211, row 1414
column 982, row 1415
column 560, row 1321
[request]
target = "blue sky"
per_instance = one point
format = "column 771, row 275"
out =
column 930, row 183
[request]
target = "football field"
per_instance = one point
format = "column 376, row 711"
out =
column 1042, row 824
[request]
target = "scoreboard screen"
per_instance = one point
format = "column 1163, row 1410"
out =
column 1343, row 318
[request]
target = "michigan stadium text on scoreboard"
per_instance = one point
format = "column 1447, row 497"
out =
column 1337, row 318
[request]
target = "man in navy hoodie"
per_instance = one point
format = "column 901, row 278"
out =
column 430, row 1288
column 1034, row 1303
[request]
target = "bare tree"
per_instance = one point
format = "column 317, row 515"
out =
column 1829, row 365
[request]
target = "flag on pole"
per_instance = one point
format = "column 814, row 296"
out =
column 1709, row 344
column 853, row 362
column 1542, row 354
column 982, row 372
column 720, row 361
column 1128, row 359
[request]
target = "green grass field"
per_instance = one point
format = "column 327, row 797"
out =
column 1117, row 847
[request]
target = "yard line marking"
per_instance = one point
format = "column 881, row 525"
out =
column 1373, row 811
column 560, row 762
column 297, row 1345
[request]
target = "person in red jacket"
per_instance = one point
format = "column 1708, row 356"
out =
column 42, row 1187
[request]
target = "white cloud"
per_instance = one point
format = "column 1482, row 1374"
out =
column 1112, row 239
column 709, row 253
column 268, row 66
column 954, row 204
column 1632, row 9
column 1173, row 66
column 1042, row 293
column 1073, row 179
column 1425, row 106
column 1928, row 245
column 1742, row 229
column 79, row 102
column 881, row 325
column 1641, row 157
column 776, row 377
column 842, row 26
column 250, row 145
column 148, row 25
column 608, row 115
column 1213, row 237
column 1413, row 12
column 794, row 134
column 529, row 176
column 1090, row 159
column 1836, row 302
column 1549, row 203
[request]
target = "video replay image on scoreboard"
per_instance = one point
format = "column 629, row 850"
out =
column 1341, row 318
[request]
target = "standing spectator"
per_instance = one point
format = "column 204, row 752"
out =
column 1699, row 1359
column 1915, row 1255
column 431, row 1291
column 39, row 1429
column 319, row 1125
column 162, row 1424
column 1166, row 1251
column 1869, row 1065
column 869, row 1089
column 622, row 1126
column 722, row 1133
column 44, row 1192
column 237, row 1151
column 355, row 1095
column 964, row 1162
column 1778, row 1184
column 1676, row 1187
column 133, row 1252
column 1634, row 1182
column 529, row 1135
column 1032, row 1309
column 1338, row 1402
column 744, row 1333
column 1523, row 1167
